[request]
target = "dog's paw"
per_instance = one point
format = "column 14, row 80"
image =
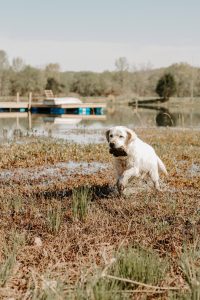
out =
column 120, row 186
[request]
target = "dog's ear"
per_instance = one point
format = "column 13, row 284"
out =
column 131, row 135
column 107, row 134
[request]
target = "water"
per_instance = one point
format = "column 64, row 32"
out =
column 79, row 129
column 59, row 171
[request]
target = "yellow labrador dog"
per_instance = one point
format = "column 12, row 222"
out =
column 133, row 157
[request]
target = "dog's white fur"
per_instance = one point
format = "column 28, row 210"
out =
column 141, row 158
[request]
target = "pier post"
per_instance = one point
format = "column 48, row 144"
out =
column 29, row 121
column 17, row 97
column 29, row 100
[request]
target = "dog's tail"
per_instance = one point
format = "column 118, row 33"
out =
column 161, row 166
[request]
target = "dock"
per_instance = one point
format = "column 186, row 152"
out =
column 70, row 105
column 14, row 105
column 58, row 113
column 29, row 106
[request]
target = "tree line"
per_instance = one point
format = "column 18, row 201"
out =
column 125, row 80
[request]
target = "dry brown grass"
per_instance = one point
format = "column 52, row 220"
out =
column 47, row 253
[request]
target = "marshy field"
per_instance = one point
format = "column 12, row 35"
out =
column 65, row 233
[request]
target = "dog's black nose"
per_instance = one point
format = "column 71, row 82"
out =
column 112, row 145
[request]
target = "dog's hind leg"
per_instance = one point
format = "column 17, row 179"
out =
column 155, row 178
column 144, row 175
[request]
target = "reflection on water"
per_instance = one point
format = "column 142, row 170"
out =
column 163, row 117
column 59, row 125
column 152, row 116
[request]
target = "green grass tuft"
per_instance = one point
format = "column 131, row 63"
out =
column 54, row 217
column 81, row 199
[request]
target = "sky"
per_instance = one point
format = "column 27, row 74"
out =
column 92, row 34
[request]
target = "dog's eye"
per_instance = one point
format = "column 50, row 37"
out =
column 121, row 136
column 111, row 135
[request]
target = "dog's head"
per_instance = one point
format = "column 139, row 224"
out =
column 119, row 138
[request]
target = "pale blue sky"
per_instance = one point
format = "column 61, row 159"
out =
column 86, row 34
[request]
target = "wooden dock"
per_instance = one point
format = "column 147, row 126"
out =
column 14, row 105
column 28, row 106
column 71, row 116
column 71, row 105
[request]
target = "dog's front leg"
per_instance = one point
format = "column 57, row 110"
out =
column 124, row 178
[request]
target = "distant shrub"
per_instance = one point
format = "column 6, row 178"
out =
column 166, row 86
column 54, row 85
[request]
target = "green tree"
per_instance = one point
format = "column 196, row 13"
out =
column 54, row 85
column 28, row 80
column 186, row 79
column 122, row 74
column 53, row 71
column 4, row 64
column 166, row 86
column 67, row 78
column 18, row 64
column 4, row 74
column 87, row 84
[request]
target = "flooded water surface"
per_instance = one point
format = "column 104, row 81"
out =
column 89, row 128
column 60, row 171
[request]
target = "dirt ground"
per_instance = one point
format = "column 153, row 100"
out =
column 53, row 247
